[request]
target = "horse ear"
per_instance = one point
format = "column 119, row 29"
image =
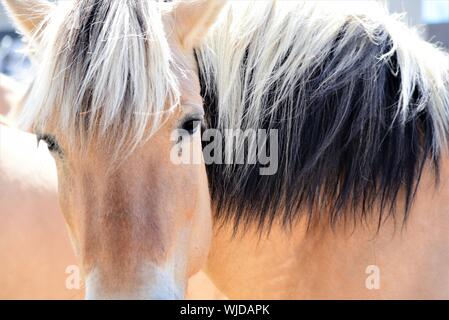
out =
column 28, row 15
column 193, row 18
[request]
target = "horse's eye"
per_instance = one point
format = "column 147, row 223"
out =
column 191, row 125
column 51, row 142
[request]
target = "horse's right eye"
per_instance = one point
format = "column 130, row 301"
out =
column 192, row 125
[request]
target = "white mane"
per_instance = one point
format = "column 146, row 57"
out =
column 104, row 69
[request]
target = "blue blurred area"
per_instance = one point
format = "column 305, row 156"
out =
column 13, row 62
column 435, row 11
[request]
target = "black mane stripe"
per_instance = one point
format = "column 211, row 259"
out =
column 346, row 151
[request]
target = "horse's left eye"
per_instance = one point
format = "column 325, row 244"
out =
column 51, row 142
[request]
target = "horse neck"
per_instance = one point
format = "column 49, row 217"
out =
column 411, row 259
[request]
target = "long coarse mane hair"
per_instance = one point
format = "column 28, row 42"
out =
column 105, row 71
column 360, row 102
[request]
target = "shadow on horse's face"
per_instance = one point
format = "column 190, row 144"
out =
column 142, row 225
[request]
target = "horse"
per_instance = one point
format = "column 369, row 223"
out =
column 356, row 207
column 164, row 245
column 37, row 257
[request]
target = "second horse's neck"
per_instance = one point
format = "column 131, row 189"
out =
column 398, row 262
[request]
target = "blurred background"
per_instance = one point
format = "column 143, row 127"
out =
column 432, row 16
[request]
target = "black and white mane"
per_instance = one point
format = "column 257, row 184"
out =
column 360, row 102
